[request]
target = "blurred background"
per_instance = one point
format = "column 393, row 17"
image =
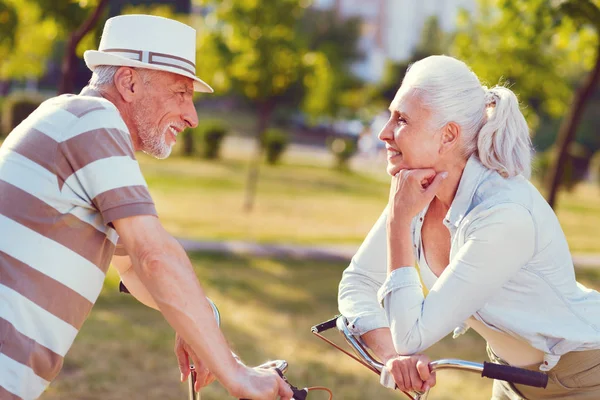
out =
column 284, row 176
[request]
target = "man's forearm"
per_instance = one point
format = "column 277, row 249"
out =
column 168, row 276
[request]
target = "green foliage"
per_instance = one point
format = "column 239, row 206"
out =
column 8, row 24
column 334, row 43
column 16, row 107
column 207, row 136
column 343, row 148
column 34, row 34
column 274, row 141
column 251, row 48
column 538, row 49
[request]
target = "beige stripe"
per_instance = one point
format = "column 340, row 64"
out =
column 44, row 291
column 44, row 362
column 88, row 147
column 37, row 147
column 68, row 230
column 121, row 196
column 81, row 106
column 6, row 395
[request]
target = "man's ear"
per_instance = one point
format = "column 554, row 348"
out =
column 128, row 83
column 450, row 136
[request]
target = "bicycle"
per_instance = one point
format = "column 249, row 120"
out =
column 487, row 370
column 280, row 366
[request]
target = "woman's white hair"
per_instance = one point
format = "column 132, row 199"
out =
column 104, row 76
column 492, row 125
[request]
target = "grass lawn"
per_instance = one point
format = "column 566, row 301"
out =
column 124, row 350
column 305, row 202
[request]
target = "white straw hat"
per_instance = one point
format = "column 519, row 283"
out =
column 151, row 42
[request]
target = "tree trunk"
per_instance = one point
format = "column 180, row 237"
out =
column 265, row 110
column 568, row 129
column 5, row 87
column 70, row 57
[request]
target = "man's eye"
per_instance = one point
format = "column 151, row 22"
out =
column 401, row 121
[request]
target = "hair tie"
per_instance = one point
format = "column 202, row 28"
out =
column 491, row 98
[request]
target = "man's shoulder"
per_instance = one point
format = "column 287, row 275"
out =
column 85, row 103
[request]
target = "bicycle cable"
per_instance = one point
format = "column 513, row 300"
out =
column 346, row 352
column 322, row 388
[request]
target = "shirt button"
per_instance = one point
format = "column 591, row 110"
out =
column 421, row 219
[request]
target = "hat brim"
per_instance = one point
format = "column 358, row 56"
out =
column 94, row 58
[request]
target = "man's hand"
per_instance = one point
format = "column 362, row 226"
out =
column 259, row 384
column 411, row 372
column 184, row 352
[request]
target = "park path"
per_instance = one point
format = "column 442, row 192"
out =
column 322, row 253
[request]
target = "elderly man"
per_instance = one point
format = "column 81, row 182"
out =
column 71, row 189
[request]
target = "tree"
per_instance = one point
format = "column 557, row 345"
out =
column 70, row 57
column 537, row 48
column 324, row 31
column 250, row 48
column 585, row 13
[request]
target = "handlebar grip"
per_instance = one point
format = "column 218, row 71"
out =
column 514, row 375
column 323, row 326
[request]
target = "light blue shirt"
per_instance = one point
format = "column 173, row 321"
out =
column 510, row 268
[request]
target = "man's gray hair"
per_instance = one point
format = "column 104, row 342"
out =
column 104, row 75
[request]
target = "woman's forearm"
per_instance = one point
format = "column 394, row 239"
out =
column 380, row 342
column 137, row 288
column 399, row 240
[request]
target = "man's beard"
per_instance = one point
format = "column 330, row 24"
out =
column 152, row 137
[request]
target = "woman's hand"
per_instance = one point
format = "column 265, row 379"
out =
column 411, row 373
column 411, row 191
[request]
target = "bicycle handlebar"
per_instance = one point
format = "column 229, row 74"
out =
column 487, row 370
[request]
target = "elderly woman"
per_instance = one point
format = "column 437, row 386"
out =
column 490, row 251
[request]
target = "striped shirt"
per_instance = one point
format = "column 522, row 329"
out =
column 66, row 173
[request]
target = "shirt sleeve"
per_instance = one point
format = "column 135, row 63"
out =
column 357, row 295
column 99, row 165
column 498, row 242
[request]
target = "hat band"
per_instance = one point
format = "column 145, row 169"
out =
column 150, row 57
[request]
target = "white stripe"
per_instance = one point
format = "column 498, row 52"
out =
column 30, row 177
column 36, row 180
column 94, row 218
column 127, row 54
column 51, row 258
column 107, row 174
column 174, row 61
column 35, row 322
column 51, row 121
column 99, row 119
column 19, row 379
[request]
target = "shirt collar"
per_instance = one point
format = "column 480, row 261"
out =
column 469, row 182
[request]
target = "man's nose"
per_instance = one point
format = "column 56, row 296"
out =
column 189, row 114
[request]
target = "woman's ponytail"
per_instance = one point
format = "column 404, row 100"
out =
column 503, row 142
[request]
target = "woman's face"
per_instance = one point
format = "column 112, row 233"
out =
column 410, row 140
